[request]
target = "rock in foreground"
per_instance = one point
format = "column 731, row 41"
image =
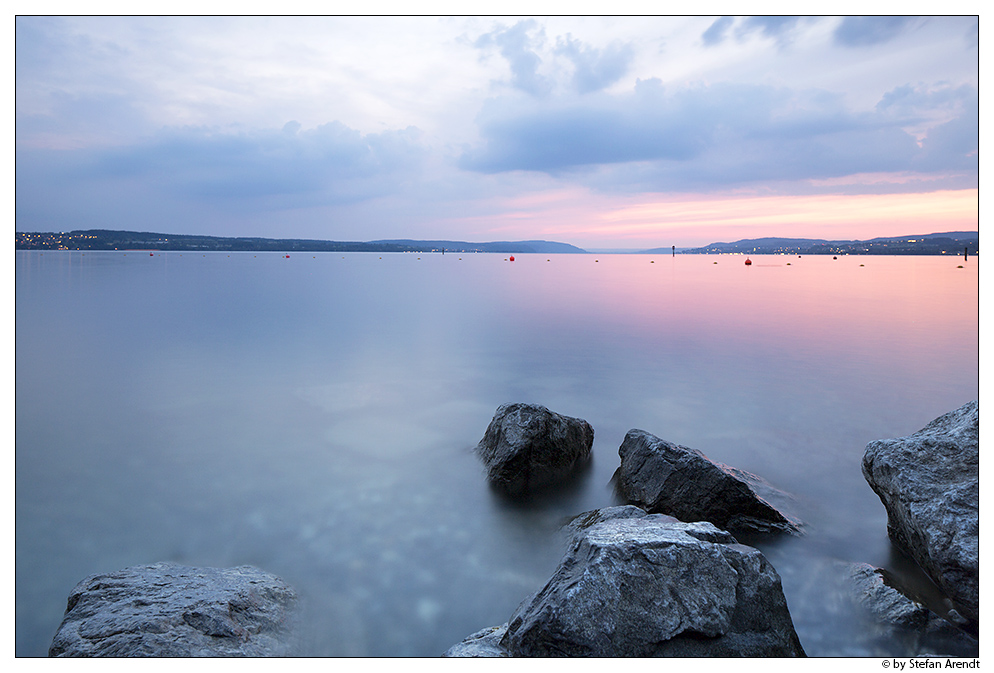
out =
column 649, row 586
column 929, row 482
column 527, row 447
column 662, row 477
column 171, row 610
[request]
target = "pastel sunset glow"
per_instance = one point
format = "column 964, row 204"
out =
column 603, row 132
column 701, row 219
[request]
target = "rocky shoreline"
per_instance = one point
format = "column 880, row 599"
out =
column 662, row 575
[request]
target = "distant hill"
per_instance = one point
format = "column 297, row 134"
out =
column 495, row 246
column 106, row 239
column 946, row 243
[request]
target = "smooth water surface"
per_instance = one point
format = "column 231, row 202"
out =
column 316, row 415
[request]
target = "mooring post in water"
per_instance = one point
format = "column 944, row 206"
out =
column 965, row 251
column 674, row 251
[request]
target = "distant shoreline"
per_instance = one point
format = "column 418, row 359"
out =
column 949, row 244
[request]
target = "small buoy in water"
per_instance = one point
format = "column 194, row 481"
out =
column 833, row 257
column 788, row 263
column 652, row 261
column 151, row 254
column 959, row 266
column 512, row 258
column 862, row 264
column 286, row 257
column 748, row 262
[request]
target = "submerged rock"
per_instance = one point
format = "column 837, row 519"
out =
column 662, row 477
column 893, row 615
column 171, row 610
column 877, row 596
column 929, row 482
column 845, row 609
column 527, row 447
column 645, row 585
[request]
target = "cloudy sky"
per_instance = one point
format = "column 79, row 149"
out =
column 601, row 132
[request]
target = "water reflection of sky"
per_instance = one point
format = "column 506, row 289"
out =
column 315, row 415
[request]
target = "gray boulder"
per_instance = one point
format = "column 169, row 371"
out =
column 662, row 477
column 645, row 586
column 929, row 482
column 171, row 610
column 527, row 447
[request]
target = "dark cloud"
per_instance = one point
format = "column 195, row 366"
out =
column 331, row 162
column 778, row 28
column 916, row 100
column 212, row 171
column 714, row 137
column 559, row 135
column 864, row 31
column 717, row 32
column 955, row 143
column 769, row 26
column 517, row 46
column 595, row 69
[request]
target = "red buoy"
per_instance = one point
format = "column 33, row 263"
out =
column 512, row 258
column 287, row 257
column 151, row 254
column 748, row 262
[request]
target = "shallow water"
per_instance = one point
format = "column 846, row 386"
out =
column 315, row 416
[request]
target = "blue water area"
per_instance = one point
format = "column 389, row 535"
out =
column 315, row 415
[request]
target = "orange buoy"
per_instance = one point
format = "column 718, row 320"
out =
column 748, row 262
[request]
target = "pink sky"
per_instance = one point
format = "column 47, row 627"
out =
column 646, row 220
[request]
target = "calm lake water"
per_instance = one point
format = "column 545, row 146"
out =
column 316, row 416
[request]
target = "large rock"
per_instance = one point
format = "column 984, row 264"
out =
column 171, row 610
column 662, row 477
column 527, row 447
column 645, row 586
column 929, row 482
